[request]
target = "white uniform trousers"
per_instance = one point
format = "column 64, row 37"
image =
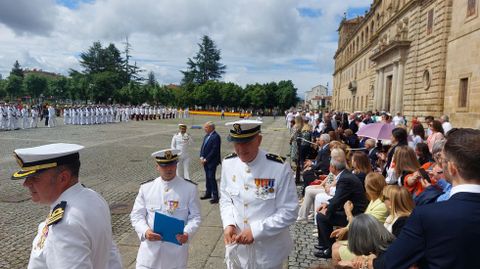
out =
column 183, row 167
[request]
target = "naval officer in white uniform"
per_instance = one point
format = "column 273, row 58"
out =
column 258, row 201
column 78, row 232
column 183, row 141
column 170, row 195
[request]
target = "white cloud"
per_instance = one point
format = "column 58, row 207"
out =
column 261, row 41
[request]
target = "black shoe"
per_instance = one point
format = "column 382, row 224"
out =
column 205, row 197
column 319, row 247
column 214, row 201
column 326, row 254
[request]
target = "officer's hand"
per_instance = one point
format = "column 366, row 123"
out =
column 245, row 237
column 182, row 238
column 229, row 234
column 151, row 236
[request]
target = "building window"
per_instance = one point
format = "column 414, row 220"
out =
column 430, row 22
column 471, row 8
column 463, row 93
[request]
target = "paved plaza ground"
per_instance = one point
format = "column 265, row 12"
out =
column 114, row 163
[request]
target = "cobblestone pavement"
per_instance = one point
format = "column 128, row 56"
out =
column 114, row 163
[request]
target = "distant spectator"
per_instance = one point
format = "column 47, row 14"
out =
column 418, row 135
column 351, row 139
column 423, row 154
column 305, row 143
column 371, row 151
column 361, row 165
column 404, row 162
column 438, row 172
column 428, row 121
column 436, row 133
column 399, row 138
column 313, row 169
column 398, row 119
column 446, row 125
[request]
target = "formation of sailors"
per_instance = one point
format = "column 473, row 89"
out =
column 95, row 114
column 157, row 113
column 14, row 117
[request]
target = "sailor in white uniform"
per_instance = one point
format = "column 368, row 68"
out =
column 172, row 196
column 77, row 232
column 183, row 141
column 258, row 201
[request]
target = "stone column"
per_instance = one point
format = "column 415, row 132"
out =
column 400, row 82
column 380, row 90
column 393, row 94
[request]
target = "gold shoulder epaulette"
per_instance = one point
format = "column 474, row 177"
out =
column 231, row 155
column 57, row 213
column 276, row 158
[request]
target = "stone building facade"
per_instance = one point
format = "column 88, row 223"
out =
column 417, row 57
column 317, row 98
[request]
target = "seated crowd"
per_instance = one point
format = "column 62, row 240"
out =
column 372, row 200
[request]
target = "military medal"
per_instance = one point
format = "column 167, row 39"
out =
column 172, row 206
column 234, row 178
column 257, row 183
column 271, row 184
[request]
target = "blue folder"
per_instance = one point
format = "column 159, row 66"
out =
column 168, row 227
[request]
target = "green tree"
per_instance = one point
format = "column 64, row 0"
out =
column 58, row 87
column 257, row 96
column 132, row 72
column 230, row 94
column 207, row 94
column 3, row 92
column 286, row 94
column 205, row 65
column 78, row 85
column 17, row 70
column 35, row 85
column 102, row 86
column 151, row 80
column 14, row 86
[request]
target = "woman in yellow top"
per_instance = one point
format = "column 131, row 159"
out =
column 374, row 184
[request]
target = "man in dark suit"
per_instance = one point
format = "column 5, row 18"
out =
column 353, row 123
column 313, row 169
column 445, row 234
column 349, row 188
column 210, row 158
column 371, row 151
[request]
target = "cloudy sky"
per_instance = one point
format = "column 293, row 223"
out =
column 260, row 40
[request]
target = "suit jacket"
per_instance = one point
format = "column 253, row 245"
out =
column 353, row 126
column 372, row 156
column 210, row 150
column 440, row 235
column 322, row 162
column 350, row 188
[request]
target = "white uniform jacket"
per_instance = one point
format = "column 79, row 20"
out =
column 260, row 195
column 83, row 237
column 177, row 198
column 182, row 143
